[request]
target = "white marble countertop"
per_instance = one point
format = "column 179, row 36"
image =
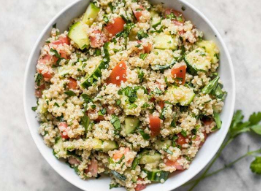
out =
column 22, row 166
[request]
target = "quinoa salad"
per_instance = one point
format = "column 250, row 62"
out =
column 130, row 91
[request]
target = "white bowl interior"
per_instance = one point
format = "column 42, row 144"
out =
column 63, row 20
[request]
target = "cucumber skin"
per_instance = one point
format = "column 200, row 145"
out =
column 153, row 175
column 91, row 12
column 72, row 35
column 128, row 128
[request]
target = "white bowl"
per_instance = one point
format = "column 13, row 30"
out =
column 63, row 19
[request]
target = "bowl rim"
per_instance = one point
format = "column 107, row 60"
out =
column 197, row 11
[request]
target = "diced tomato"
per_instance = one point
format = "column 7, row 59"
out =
column 63, row 127
column 62, row 40
column 73, row 161
column 140, row 187
column 110, row 110
column 97, row 38
column 177, row 23
column 118, row 74
column 92, row 168
column 119, row 154
column 178, row 16
column 72, row 84
column 207, row 121
column 179, row 73
column 115, row 27
column 39, row 91
column 147, row 48
column 203, row 141
column 63, row 54
column 154, row 125
column 181, row 140
column 174, row 164
column 138, row 12
column 45, row 59
column 47, row 75
column 161, row 104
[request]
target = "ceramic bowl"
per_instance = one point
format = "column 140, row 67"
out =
column 209, row 149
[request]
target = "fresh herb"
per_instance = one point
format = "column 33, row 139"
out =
column 102, row 112
column 163, row 67
column 142, row 34
column 115, row 121
column 237, row 127
column 168, row 151
column 118, row 175
column 173, row 122
column 115, row 185
column 70, row 93
column 140, row 75
column 145, row 105
column 34, row 108
column 157, row 91
column 132, row 106
column 56, row 54
column 210, row 86
column 217, row 120
column 38, row 79
column 54, row 25
column 56, row 104
column 136, row 161
column 144, row 135
column 184, row 133
column 93, row 106
column 118, row 102
column 86, row 98
column 97, row 52
column 131, row 92
column 106, row 19
column 162, row 114
column 85, row 122
column 143, row 56
column 256, row 166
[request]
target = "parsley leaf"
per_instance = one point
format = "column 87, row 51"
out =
column 38, row 78
column 34, row 108
column 56, row 54
column 70, row 93
column 140, row 75
column 142, row 34
column 102, row 112
column 256, row 166
column 143, row 56
column 85, row 121
column 115, row 121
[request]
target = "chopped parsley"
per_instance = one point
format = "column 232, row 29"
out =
column 70, row 93
column 143, row 56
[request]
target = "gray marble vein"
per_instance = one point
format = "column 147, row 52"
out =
column 22, row 166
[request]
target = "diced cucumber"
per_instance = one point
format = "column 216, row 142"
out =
column 131, row 124
column 109, row 145
column 105, row 146
column 164, row 41
column 181, row 94
column 90, row 14
column 157, row 175
column 198, row 60
column 58, row 150
column 211, row 48
column 150, row 158
column 78, row 34
column 155, row 19
column 96, row 74
column 163, row 144
column 64, row 70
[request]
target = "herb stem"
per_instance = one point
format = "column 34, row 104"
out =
column 212, row 162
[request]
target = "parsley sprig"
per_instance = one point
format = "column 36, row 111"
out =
column 237, row 127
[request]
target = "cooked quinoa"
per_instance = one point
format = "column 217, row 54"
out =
column 130, row 91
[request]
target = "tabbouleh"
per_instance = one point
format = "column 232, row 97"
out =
column 131, row 91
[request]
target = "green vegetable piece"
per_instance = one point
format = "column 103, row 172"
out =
column 217, row 120
column 118, row 175
column 115, row 121
column 85, row 122
column 136, row 161
column 210, row 86
column 256, row 166
column 70, row 93
column 157, row 175
column 91, row 14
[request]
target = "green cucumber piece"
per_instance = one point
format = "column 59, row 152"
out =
column 157, row 175
column 78, row 34
column 150, row 158
column 104, row 145
column 90, row 14
column 58, row 149
column 136, row 161
column 155, row 19
column 185, row 100
column 198, row 60
column 164, row 41
column 92, row 78
column 131, row 124
column 163, row 144
column 211, row 48
column 118, row 175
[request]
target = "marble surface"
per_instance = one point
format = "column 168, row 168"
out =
column 22, row 166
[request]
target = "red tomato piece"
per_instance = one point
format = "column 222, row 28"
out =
column 45, row 59
column 147, row 48
column 140, row 187
column 72, row 84
column 154, row 125
column 115, row 27
column 175, row 164
column 47, row 75
column 119, row 154
column 63, row 127
column 179, row 73
column 97, row 39
column 118, row 74
column 178, row 16
column 62, row 40
column 161, row 104
column 92, row 168
column 203, row 141
column 39, row 91
column 181, row 140
column 138, row 12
